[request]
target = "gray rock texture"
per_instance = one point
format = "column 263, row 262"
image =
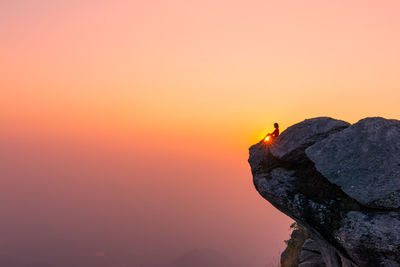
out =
column 339, row 181
column 373, row 234
column 310, row 255
column 305, row 133
column 364, row 160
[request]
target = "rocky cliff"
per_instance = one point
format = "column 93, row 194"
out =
column 341, row 182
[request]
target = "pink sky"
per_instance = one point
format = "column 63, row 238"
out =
column 125, row 124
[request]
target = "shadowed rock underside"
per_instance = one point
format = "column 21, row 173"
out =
column 341, row 182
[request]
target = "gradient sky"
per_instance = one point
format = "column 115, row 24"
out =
column 125, row 124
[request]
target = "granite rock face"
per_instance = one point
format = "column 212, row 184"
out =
column 372, row 234
column 341, row 182
column 364, row 160
column 307, row 132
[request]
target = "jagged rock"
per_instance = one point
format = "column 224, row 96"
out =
column 306, row 173
column 364, row 160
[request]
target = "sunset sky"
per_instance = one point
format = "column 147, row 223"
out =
column 125, row 124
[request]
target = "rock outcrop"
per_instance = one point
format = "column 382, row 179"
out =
column 342, row 183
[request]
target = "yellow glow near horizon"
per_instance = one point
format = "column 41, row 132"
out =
column 168, row 96
column 145, row 68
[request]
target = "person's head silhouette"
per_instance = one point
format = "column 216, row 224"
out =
column 271, row 136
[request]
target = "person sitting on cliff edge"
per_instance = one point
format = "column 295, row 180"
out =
column 271, row 136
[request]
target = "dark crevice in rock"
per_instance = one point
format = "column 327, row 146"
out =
column 311, row 250
column 339, row 259
column 310, row 182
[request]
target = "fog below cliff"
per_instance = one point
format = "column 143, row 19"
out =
column 85, row 202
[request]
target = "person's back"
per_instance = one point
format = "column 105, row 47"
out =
column 276, row 131
column 271, row 136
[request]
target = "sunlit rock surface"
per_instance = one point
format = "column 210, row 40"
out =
column 341, row 182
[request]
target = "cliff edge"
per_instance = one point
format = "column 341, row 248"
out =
column 339, row 181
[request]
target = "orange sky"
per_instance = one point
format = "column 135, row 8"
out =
column 191, row 82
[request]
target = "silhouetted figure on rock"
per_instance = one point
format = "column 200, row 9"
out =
column 271, row 136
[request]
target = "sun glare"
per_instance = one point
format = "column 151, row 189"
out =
column 267, row 138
